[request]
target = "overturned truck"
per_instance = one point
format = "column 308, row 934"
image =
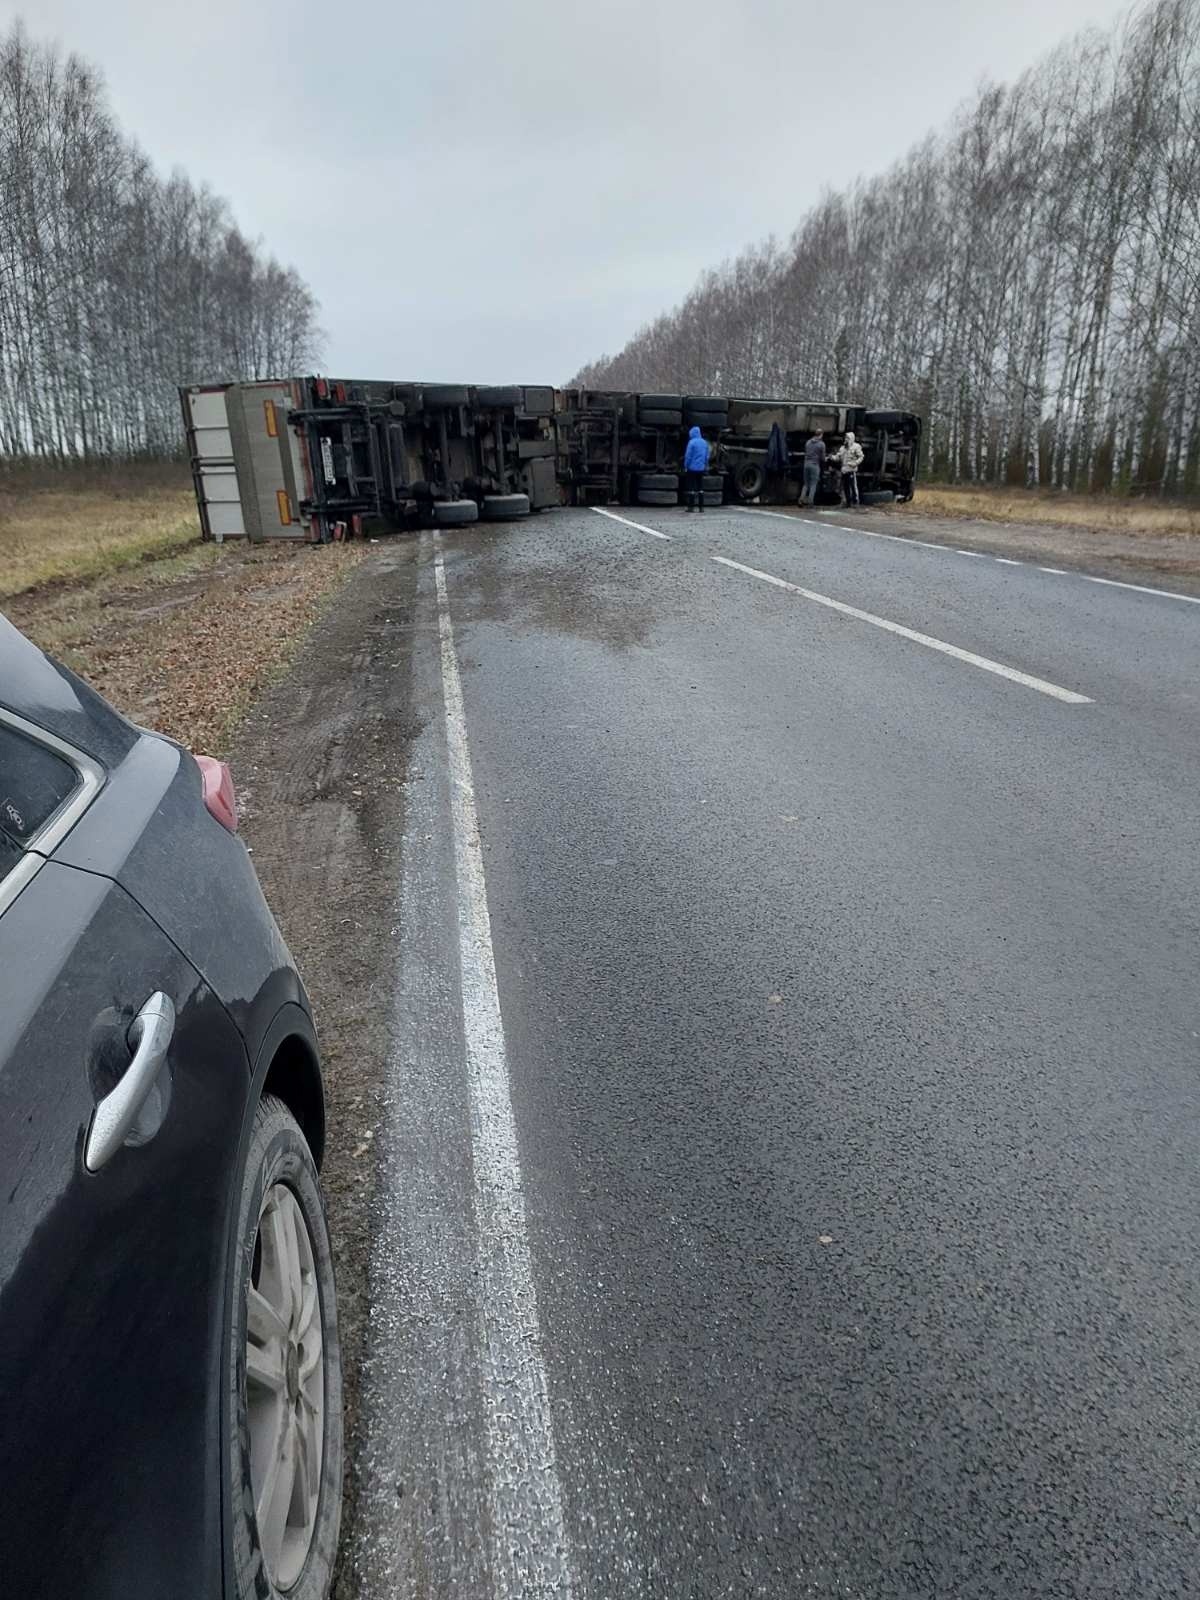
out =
column 318, row 458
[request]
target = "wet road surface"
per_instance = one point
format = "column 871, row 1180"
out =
column 789, row 1156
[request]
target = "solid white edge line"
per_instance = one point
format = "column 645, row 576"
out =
column 1027, row 680
column 640, row 526
column 1141, row 588
column 528, row 1532
column 927, row 544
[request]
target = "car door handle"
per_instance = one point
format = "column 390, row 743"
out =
column 115, row 1116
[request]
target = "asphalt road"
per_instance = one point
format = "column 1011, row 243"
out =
column 818, row 1215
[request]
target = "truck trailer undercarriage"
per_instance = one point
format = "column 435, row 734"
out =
column 317, row 458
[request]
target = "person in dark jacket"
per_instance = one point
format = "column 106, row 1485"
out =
column 814, row 464
column 695, row 465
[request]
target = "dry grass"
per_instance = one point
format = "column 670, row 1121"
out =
column 1102, row 513
column 70, row 535
column 184, row 644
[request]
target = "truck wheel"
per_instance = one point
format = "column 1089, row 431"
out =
column 702, row 405
column 878, row 497
column 713, row 497
column 658, row 480
column 447, row 394
column 749, row 480
column 884, row 419
column 658, row 497
column 504, row 507
column 660, row 402
column 660, row 419
column 714, row 483
column 454, row 513
column 497, row 398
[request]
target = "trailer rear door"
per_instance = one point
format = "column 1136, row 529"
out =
column 213, row 469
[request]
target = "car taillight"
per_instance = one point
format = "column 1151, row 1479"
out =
column 218, row 791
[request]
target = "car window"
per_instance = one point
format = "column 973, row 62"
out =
column 34, row 783
column 10, row 854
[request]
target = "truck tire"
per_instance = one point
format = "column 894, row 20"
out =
column 658, row 497
column 658, row 480
column 878, row 497
column 713, row 497
column 712, row 421
column 884, row 419
column 447, row 394
column 660, row 402
column 748, row 480
column 702, row 402
column 714, row 483
column 454, row 513
column 656, row 418
column 504, row 507
column 497, row 398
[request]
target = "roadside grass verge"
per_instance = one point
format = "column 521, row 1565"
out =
column 70, row 535
column 185, row 643
column 1102, row 513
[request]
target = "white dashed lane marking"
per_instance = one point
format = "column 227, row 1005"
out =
column 1025, row 679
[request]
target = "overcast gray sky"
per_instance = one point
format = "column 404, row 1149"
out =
column 498, row 192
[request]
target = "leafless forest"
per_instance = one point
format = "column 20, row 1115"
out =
column 1027, row 280
column 117, row 284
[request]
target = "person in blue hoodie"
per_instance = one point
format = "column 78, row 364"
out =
column 695, row 465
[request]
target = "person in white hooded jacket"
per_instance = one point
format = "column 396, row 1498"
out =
column 850, row 455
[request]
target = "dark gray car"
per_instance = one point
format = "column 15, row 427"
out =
column 169, row 1360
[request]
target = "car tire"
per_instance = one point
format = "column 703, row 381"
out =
column 504, row 507
column 658, row 480
column 660, row 402
column 280, row 1191
column 446, row 394
column 878, row 497
column 884, row 419
column 658, row 497
column 497, row 398
column 655, row 417
column 749, row 480
column 455, row 513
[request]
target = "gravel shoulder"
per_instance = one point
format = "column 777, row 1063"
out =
column 320, row 768
column 1168, row 561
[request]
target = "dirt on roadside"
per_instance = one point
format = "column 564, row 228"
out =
column 320, row 765
column 183, row 643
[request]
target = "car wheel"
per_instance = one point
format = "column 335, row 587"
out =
column 285, row 1372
